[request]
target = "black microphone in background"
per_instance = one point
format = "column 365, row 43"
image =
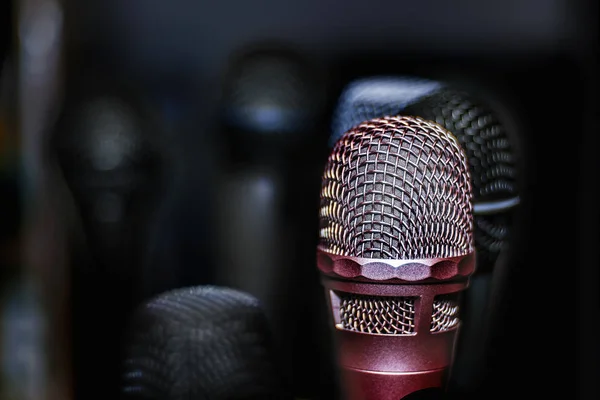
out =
column 489, row 139
column 271, row 108
column 201, row 343
column 112, row 158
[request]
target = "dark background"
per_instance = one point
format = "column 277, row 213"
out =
column 537, row 57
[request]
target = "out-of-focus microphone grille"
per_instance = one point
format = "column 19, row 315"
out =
column 483, row 137
column 202, row 343
column 103, row 135
column 396, row 188
column 270, row 93
column 378, row 315
column 490, row 155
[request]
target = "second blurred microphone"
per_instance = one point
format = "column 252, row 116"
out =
column 272, row 105
column 112, row 160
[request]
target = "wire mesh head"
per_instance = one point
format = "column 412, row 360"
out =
column 478, row 128
column 270, row 92
column 103, row 135
column 201, row 343
column 396, row 188
column 112, row 159
column 483, row 136
column 491, row 160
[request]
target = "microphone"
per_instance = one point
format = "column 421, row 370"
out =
column 395, row 251
column 270, row 107
column 203, row 342
column 112, row 161
column 490, row 143
column 271, row 93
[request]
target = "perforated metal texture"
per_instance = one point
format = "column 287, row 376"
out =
column 491, row 159
column 381, row 315
column 491, row 233
column 481, row 134
column 201, row 343
column 394, row 315
column 445, row 313
column 396, row 188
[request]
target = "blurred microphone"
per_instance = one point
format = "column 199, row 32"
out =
column 271, row 97
column 202, row 343
column 267, row 107
column 489, row 144
column 396, row 249
column 109, row 153
column 271, row 103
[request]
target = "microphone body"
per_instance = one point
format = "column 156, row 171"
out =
column 395, row 251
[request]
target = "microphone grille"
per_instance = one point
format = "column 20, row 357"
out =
column 270, row 93
column 378, row 315
column 396, row 188
column 481, row 134
column 394, row 315
column 203, row 343
column 491, row 159
column 104, row 134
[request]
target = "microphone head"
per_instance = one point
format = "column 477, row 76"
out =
column 203, row 343
column 492, row 163
column 107, row 153
column 270, row 93
column 483, row 136
column 397, row 188
column 480, row 131
column 396, row 249
column 103, row 134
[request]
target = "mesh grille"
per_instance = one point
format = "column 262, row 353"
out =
column 202, row 343
column 481, row 134
column 490, row 157
column 382, row 315
column 445, row 313
column 396, row 188
column 394, row 315
column 104, row 135
column 491, row 232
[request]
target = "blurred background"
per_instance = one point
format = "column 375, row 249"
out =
column 150, row 145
